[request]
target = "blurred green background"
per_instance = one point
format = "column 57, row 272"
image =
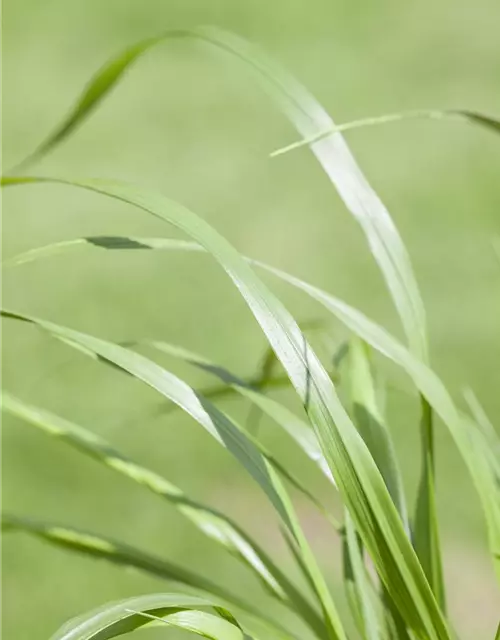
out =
column 189, row 122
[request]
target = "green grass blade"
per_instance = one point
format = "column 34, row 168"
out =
column 211, row 522
column 199, row 623
column 129, row 615
column 357, row 476
column 96, row 90
column 425, row 526
column 459, row 115
column 359, row 590
column 260, row 466
column 120, row 243
column 308, row 117
column 103, row 548
column 371, row 423
column 487, row 433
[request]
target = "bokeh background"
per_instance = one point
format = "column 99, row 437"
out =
column 191, row 123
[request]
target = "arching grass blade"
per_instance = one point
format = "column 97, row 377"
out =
column 459, row 115
column 129, row 615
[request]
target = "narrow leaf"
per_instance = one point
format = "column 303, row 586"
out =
column 472, row 117
column 371, row 424
column 124, row 617
column 425, row 530
column 200, row 623
column 103, row 548
column 359, row 589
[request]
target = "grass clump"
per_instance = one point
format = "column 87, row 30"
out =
column 346, row 435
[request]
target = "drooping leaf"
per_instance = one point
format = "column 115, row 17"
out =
column 127, row 616
column 200, row 623
column 97, row 89
column 460, row 115
column 103, row 548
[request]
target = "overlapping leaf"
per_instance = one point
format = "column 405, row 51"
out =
column 175, row 609
column 296, row 428
column 371, row 424
column 359, row 591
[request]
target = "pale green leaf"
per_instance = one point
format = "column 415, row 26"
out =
column 127, row 616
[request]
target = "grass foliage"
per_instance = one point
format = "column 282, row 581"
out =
column 392, row 560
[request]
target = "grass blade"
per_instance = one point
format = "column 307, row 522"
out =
column 371, row 424
column 488, row 434
column 200, row 623
column 211, row 522
column 358, row 588
column 128, row 615
column 357, row 476
column 425, row 529
column 103, row 548
column 99, row 86
column 459, row 115
column 333, row 154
